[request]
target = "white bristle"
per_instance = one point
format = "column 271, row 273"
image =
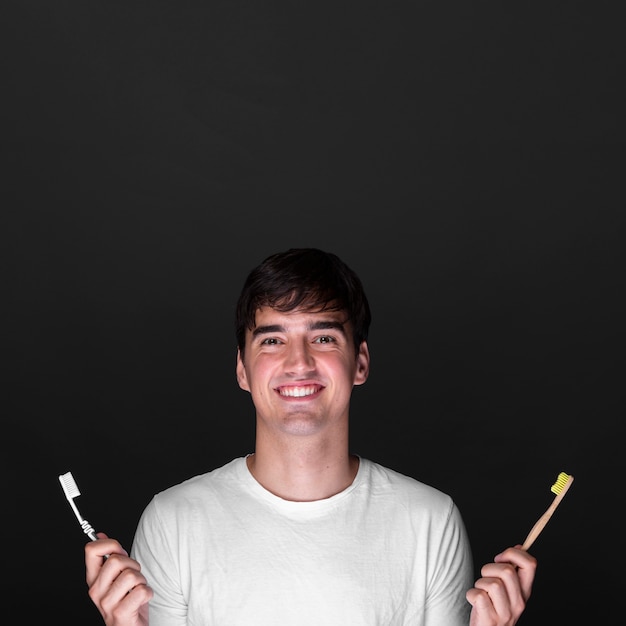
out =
column 69, row 485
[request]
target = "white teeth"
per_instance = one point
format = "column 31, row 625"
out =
column 297, row 392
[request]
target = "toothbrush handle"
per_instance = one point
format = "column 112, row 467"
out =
column 84, row 524
column 540, row 524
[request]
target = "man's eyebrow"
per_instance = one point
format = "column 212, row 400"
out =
column 318, row 325
column 269, row 328
column 328, row 325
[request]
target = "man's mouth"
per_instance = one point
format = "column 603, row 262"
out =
column 298, row 392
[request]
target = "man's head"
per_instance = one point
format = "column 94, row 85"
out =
column 304, row 279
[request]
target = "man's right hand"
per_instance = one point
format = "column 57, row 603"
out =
column 116, row 585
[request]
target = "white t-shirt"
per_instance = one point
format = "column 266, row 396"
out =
column 220, row 550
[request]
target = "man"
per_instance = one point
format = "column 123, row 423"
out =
column 301, row 531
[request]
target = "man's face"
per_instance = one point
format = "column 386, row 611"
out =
column 300, row 368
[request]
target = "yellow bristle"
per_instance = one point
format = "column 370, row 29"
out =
column 560, row 483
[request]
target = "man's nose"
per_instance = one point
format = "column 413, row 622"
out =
column 299, row 356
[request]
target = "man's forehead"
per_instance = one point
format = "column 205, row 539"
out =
column 267, row 315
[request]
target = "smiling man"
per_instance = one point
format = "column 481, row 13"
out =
column 301, row 531
column 300, row 368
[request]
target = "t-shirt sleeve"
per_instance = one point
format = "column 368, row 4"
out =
column 452, row 576
column 154, row 548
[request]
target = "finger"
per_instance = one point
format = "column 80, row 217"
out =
column 483, row 611
column 127, row 599
column 95, row 553
column 525, row 564
column 134, row 608
column 116, row 566
column 135, row 603
column 505, row 605
column 118, row 576
column 129, row 582
column 502, row 583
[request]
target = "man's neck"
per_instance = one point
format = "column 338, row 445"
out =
column 303, row 477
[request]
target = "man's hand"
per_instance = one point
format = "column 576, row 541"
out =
column 116, row 585
column 499, row 597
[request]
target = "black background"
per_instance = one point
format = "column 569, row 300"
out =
column 466, row 158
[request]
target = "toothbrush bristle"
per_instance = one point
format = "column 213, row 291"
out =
column 561, row 481
column 69, row 485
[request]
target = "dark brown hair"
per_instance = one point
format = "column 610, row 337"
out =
column 303, row 278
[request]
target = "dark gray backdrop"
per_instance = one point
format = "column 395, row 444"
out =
column 466, row 158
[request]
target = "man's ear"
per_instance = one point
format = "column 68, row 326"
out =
column 362, row 364
column 240, row 371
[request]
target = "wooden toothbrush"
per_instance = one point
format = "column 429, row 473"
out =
column 560, row 487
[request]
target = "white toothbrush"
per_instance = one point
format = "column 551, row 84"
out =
column 71, row 491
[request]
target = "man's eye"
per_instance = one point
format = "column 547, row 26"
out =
column 270, row 341
column 325, row 339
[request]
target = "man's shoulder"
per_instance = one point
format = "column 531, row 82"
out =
column 200, row 484
column 385, row 479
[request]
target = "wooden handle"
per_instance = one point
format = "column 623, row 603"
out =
column 535, row 531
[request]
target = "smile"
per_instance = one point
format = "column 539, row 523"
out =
column 298, row 392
